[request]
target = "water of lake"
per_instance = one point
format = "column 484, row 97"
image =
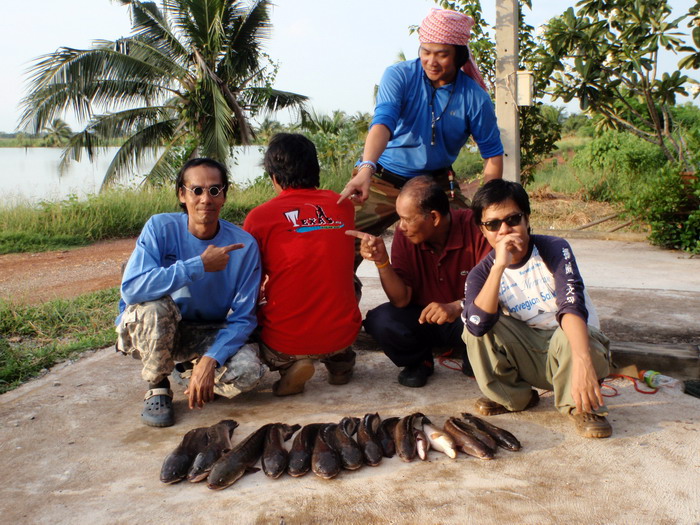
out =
column 30, row 175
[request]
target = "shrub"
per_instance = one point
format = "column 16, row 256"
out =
column 469, row 165
column 612, row 165
column 671, row 206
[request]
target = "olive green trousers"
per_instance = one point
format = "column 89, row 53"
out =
column 512, row 358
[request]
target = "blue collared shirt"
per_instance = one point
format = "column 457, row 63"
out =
column 403, row 106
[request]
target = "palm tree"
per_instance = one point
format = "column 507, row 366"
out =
column 186, row 81
column 321, row 123
column 267, row 129
column 58, row 132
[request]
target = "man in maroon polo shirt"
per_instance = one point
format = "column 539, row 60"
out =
column 433, row 250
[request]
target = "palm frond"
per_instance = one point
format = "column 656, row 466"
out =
column 218, row 129
column 190, row 70
column 166, row 167
column 151, row 25
column 245, row 34
column 83, row 80
column 136, row 149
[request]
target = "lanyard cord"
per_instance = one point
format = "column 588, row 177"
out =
column 434, row 120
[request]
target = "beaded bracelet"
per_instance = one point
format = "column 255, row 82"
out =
column 367, row 164
column 383, row 265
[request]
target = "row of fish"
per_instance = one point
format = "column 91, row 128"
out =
column 326, row 448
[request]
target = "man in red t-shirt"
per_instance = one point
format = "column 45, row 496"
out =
column 433, row 250
column 308, row 310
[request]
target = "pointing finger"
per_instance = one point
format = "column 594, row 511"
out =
column 232, row 247
column 344, row 195
column 360, row 235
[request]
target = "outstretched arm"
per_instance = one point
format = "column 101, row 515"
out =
column 373, row 249
column 375, row 144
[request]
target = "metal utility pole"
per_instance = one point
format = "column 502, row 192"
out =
column 506, row 85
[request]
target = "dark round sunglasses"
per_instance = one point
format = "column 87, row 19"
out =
column 511, row 220
column 214, row 191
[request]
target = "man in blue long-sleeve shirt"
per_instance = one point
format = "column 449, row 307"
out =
column 188, row 293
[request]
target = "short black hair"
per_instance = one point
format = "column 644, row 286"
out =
column 461, row 56
column 497, row 191
column 292, row 159
column 200, row 161
column 427, row 194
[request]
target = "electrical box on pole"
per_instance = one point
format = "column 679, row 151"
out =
column 507, row 86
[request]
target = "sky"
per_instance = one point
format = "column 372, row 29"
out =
column 333, row 51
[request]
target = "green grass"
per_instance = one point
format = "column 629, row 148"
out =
column 36, row 337
column 557, row 173
column 37, row 242
column 118, row 213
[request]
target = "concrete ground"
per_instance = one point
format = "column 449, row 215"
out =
column 74, row 450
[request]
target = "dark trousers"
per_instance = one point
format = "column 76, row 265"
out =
column 407, row 342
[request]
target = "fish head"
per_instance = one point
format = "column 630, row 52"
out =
column 220, row 478
column 174, row 468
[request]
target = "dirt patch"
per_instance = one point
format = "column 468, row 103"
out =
column 556, row 211
column 37, row 277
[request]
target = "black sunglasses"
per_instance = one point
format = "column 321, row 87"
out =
column 214, row 191
column 511, row 220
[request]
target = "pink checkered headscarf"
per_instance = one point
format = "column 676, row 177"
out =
column 443, row 26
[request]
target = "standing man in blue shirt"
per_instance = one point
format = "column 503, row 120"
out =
column 189, row 292
column 426, row 111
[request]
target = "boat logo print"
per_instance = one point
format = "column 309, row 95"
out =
column 318, row 221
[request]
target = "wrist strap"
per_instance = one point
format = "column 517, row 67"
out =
column 366, row 164
column 383, row 265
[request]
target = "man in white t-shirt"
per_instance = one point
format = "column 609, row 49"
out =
column 529, row 321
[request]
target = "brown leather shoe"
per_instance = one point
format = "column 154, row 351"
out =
column 486, row 407
column 294, row 378
column 592, row 425
column 340, row 379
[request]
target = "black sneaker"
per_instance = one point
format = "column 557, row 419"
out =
column 416, row 376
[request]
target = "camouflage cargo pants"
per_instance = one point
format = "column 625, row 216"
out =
column 155, row 333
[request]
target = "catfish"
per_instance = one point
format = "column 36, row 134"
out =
column 503, row 438
column 275, row 457
column 405, row 438
column 479, row 434
column 369, row 441
column 439, row 440
column 179, row 461
column 341, row 440
column 386, row 436
column 466, row 441
column 302, row 448
column 231, row 466
column 325, row 461
column 219, row 442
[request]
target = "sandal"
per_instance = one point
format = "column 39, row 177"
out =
column 158, row 408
